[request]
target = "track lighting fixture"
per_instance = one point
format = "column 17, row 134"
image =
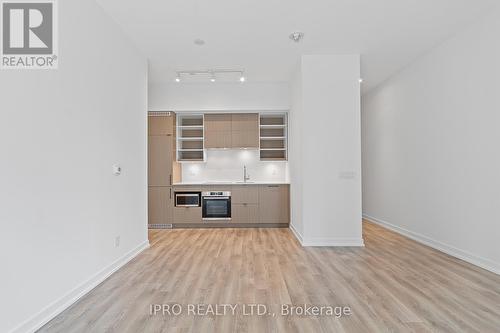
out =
column 211, row 73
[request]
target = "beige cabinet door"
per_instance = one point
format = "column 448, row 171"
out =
column 245, row 213
column 273, row 204
column 245, row 194
column 160, row 205
column 161, row 125
column 245, row 130
column 187, row 215
column 217, row 130
column 160, row 150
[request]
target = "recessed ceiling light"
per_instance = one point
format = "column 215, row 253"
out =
column 242, row 79
column 296, row 36
column 360, row 80
column 199, row 42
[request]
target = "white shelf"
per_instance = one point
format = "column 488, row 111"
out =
column 272, row 126
column 190, row 127
column 273, row 132
column 272, row 138
column 187, row 138
column 192, row 122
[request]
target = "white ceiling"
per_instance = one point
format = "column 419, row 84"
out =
column 253, row 34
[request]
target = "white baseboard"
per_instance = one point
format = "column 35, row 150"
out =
column 333, row 241
column 452, row 251
column 52, row 310
column 325, row 241
column 296, row 233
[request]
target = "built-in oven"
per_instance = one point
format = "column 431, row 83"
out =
column 216, row 206
column 187, row 199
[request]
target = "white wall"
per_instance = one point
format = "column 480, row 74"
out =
column 60, row 132
column 219, row 96
column 326, row 139
column 431, row 139
column 227, row 165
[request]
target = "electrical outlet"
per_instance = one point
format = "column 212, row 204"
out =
column 347, row 175
column 117, row 241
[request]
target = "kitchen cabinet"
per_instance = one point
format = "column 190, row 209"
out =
column 250, row 204
column 274, row 204
column 162, row 168
column 237, row 130
column 161, row 123
column 190, row 137
column 245, row 204
column 248, row 194
column 273, row 137
column 218, row 130
column 245, row 130
column 160, row 205
column 161, row 156
column 184, row 215
column 245, row 213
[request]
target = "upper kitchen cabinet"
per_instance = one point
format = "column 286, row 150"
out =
column 218, row 130
column 190, row 138
column 273, row 137
column 161, row 147
column 245, row 130
column 161, row 123
column 266, row 132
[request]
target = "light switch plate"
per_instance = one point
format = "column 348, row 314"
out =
column 117, row 169
column 347, row 175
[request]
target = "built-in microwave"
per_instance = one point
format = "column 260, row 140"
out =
column 187, row 199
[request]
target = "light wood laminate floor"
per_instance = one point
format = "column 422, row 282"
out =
column 392, row 285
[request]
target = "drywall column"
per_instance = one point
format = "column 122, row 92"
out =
column 325, row 141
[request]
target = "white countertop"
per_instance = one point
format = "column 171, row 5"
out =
column 232, row 183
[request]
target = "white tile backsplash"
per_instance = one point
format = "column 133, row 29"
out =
column 227, row 165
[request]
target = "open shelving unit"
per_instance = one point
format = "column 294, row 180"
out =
column 190, row 138
column 273, row 136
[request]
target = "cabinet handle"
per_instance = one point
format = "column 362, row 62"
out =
column 273, row 186
column 170, row 193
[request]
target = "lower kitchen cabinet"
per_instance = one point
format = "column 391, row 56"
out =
column 160, row 205
column 187, row 215
column 248, row 194
column 245, row 213
column 274, row 204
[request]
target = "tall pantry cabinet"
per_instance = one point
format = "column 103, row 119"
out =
column 161, row 168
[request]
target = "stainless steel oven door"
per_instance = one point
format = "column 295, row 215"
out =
column 216, row 208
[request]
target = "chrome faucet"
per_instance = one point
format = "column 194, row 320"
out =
column 246, row 176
